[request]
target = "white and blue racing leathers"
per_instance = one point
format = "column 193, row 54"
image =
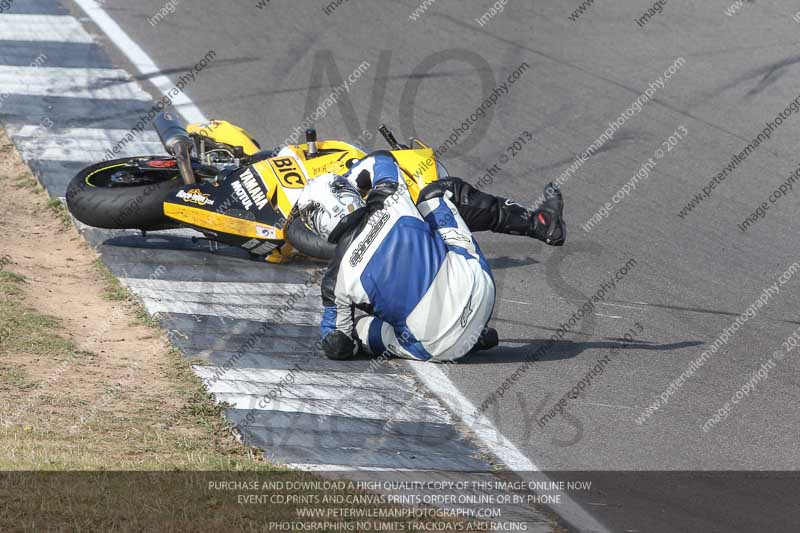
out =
column 416, row 270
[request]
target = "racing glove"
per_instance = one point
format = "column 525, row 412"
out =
column 339, row 346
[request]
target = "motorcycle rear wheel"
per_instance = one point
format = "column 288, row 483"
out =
column 120, row 194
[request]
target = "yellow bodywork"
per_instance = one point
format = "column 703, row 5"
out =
column 418, row 164
column 223, row 223
column 284, row 177
column 224, row 132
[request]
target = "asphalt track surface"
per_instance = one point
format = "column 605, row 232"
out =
column 693, row 275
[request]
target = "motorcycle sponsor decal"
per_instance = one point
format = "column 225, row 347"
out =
column 465, row 314
column 206, row 219
column 195, row 196
column 268, row 232
column 289, row 174
column 453, row 236
column 328, row 163
column 265, row 248
column 254, row 190
column 363, row 246
column 252, row 243
column 242, row 195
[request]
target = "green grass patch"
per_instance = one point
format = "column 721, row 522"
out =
column 27, row 181
column 15, row 377
column 58, row 208
column 26, row 331
column 114, row 291
column 10, row 283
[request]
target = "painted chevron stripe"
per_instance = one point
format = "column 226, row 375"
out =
column 81, row 144
column 150, row 286
column 97, row 83
column 37, row 28
column 357, row 395
column 243, row 301
column 261, row 314
column 38, row 7
column 139, row 58
column 404, row 384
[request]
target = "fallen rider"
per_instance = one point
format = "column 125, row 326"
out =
column 416, row 270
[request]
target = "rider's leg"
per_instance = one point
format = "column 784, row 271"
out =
column 379, row 339
column 387, row 345
column 473, row 302
column 487, row 340
column 482, row 211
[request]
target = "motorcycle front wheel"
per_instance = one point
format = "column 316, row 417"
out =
column 124, row 193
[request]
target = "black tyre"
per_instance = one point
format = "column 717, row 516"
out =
column 306, row 241
column 124, row 193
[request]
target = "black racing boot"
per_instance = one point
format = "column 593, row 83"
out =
column 487, row 340
column 549, row 219
column 545, row 224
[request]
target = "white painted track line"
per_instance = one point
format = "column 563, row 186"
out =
column 80, row 144
column 43, row 28
column 95, row 83
column 433, row 378
column 140, row 60
column 438, row 383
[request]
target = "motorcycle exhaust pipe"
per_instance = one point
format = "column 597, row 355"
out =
column 171, row 130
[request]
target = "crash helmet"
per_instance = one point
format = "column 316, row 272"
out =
column 325, row 201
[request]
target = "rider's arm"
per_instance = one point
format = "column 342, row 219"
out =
column 377, row 167
column 379, row 177
column 337, row 318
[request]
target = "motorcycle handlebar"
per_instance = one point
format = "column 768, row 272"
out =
column 389, row 136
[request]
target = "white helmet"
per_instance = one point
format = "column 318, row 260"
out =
column 325, row 201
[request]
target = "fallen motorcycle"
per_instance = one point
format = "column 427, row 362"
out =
column 217, row 180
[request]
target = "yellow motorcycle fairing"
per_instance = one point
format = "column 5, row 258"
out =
column 285, row 175
column 224, row 132
column 240, row 227
column 418, row 164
